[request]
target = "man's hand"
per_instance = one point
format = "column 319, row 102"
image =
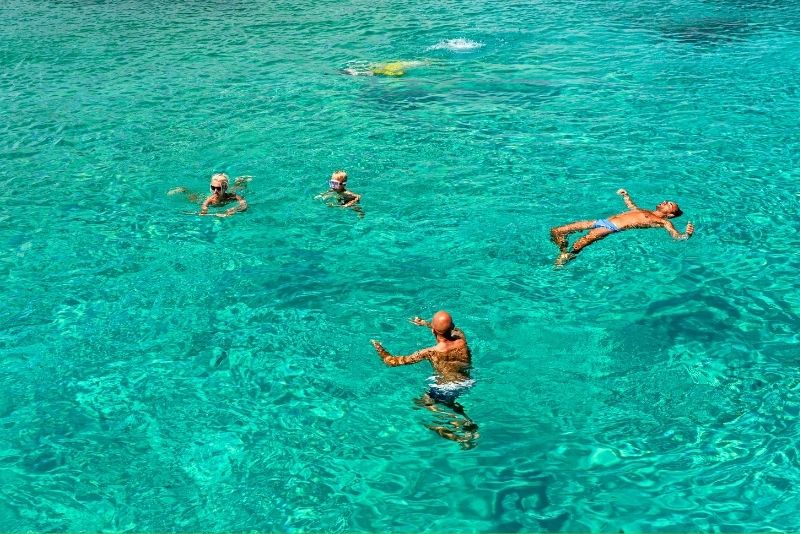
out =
column 627, row 199
column 419, row 321
column 689, row 230
column 376, row 344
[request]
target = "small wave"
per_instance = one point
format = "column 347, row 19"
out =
column 357, row 68
column 352, row 71
column 456, row 45
column 451, row 386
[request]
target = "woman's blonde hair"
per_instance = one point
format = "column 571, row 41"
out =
column 222, row 178
column 339, row 176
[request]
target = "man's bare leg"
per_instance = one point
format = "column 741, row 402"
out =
column 463, row 432
column 595, row 235
column 558, row 235
column 428, row 403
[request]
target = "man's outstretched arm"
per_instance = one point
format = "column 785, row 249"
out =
column 419, row 321
column 627, row 198
column 394, row 361
column 668, row 226
column 458, row 333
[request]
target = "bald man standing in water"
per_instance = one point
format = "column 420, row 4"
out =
column 450, row 358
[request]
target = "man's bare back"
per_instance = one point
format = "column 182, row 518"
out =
column 450, row 357
column 636, row 217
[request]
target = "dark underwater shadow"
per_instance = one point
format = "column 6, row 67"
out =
column 751, row 4
column 708, row 31
column 418, row 94
column 396, row 97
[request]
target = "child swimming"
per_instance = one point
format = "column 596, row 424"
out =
column 338, row 194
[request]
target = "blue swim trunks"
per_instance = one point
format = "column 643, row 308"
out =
column 605, row 223
column 449, row 392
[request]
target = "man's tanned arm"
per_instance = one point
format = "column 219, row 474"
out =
column 419, row 321
column 627, row 198
column 670, row 228
column 394, row 361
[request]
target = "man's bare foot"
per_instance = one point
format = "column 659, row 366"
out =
column 559, row 239
column 563, row 258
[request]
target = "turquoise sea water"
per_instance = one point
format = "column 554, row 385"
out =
column 161, row 371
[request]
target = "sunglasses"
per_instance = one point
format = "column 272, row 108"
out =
column 216, row 188
column 335, row 184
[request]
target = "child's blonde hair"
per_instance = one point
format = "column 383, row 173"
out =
column 222, row 178
column 339, row 176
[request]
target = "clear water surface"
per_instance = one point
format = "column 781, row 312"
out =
column 161, row 371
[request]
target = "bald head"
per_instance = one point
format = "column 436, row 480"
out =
column 442, row 323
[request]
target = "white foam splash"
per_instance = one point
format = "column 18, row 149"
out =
column 456, row 45
column 352, row 71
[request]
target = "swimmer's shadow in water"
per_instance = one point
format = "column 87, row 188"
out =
column 709, row 31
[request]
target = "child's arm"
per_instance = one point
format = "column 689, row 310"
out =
column 627, row 198
column 354, row 198
column 668, row 226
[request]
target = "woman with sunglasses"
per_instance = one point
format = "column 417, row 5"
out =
column 220, row 196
